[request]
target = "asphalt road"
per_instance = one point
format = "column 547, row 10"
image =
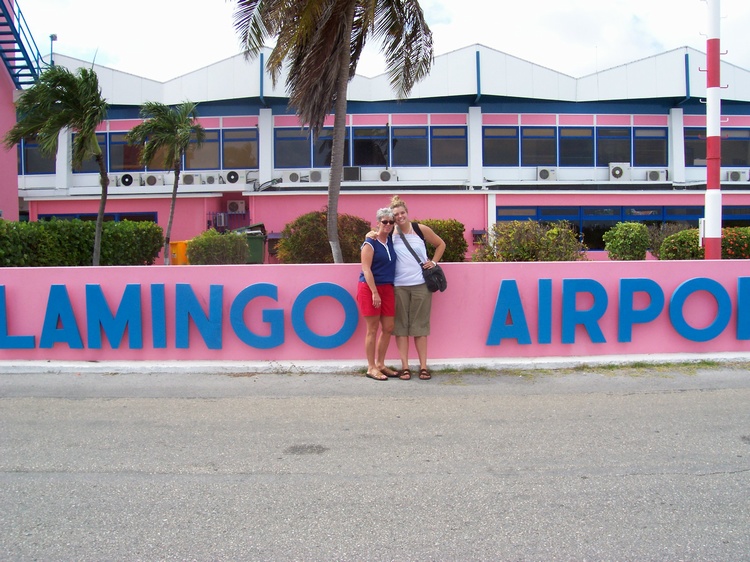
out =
column 641, row 464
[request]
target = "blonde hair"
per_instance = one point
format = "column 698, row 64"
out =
column 396, row 201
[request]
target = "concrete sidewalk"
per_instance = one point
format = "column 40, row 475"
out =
column 354, row 366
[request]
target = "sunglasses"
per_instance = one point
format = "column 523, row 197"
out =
column 388, row 222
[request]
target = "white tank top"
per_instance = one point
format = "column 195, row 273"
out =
column 408, row 271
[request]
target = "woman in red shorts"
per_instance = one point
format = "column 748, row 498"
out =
column 375, row 294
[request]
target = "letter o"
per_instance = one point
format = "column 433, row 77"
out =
column 351, row 315
column 677, row 303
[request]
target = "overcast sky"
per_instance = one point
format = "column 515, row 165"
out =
column 162, row 39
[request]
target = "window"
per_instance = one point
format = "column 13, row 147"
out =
column 695, row 147
column 206, row 157
column 612, row 145
column 158, row 161
column 516, row 213
column 538, row 146
column 371, row 146
column 239, row 149
column 34, row 162
column 409, row 146
column 735, row 147
column 500, row 146
column 323, row 147
column 650, row 146
column 89, row 165
column 449, row 146
column 292, row 148
column 577, row 146
column 108, row 217
column 122, row 156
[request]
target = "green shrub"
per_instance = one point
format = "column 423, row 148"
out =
column 131, row 243
column 70, row 243
column 682, row 245
column 215, row 248
column 657, row 233
column 627, row 241
column 531, row 241
column 452, row 233
column 735, row 243
column 305, row 239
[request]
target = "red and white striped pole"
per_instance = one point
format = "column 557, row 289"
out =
column 712, row 234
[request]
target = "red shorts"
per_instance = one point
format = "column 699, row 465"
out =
column 387, row 300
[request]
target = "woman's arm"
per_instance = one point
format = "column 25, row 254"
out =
column 435, row 240
column 366, row 256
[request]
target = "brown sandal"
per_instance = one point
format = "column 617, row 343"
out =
column 404, row 375
column 424, row 374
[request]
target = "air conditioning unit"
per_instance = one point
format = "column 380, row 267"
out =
column 126, row 180
column 294, row 177
column 546, row 174
column 656, row 175
column 352, row 173
column 190, row 179
column 619, row 171
column 388, row 175
column 236, row 206
column 233, row 177
column 220, row 220
column 319, row 176
column 210, row 179
column 151, row 180
column 737, row 175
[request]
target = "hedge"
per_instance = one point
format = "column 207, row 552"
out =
column 70, row 243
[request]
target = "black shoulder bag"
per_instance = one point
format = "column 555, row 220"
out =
column 434, row 277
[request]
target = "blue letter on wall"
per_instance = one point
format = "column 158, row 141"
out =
column 187, row 306
column 677, row 303
column 60, row 312
column 158, row 316
column 544, row 312
column 743, row 308
column 629, row 315
column 351, row 316
column 273, row 317
column 6, row 341
column 508, row 306
column 128, row 315
column 589, row 319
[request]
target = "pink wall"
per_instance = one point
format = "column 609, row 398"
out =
column 275, row 211
column 8, row 158
column 464, row 318
column 189, row 219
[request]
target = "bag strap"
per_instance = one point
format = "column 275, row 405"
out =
column 406, row 243
column 415, row 227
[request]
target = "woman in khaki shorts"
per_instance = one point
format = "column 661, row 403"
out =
column 413, row 299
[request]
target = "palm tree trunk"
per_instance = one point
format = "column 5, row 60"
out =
column 104, row 181
column 339, row 140
column 168, row 235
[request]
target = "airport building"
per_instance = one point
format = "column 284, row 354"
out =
column 485, row 137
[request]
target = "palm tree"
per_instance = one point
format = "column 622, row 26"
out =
column 322, row 40
column 167, row 130
column 62, row 100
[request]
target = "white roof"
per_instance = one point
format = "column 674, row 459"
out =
column 474, row 70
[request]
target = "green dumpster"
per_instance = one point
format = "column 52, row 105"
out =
column 256, row 241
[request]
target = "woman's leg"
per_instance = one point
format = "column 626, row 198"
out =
column 402, row 342
column 420, row 342
column 370, row 338
column 386, row 329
